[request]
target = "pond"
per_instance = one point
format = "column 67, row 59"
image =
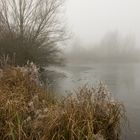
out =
column 123, row 80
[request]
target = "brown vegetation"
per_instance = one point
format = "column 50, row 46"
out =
column 28, row 111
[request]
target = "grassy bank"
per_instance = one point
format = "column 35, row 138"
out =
column 28, row 111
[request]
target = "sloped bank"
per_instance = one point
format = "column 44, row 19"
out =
column 28, row 111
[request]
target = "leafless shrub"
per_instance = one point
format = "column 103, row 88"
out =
column 31, row 30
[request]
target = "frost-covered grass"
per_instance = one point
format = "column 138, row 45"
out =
column 28, row 111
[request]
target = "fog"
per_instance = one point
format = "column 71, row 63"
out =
column 104, row 46
column 90, row 20
column 103, row 30
column 113, row 47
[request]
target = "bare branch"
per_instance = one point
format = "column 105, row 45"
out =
column 32, row 25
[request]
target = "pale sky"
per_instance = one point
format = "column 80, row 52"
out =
column 90, row 20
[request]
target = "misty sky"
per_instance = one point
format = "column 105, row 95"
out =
column 90, row 20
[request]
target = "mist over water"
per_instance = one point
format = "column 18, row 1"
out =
column 122, row 80
column 104, row 46
column 100, row 42
column 115, row 60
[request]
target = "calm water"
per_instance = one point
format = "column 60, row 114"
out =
column 123, row 80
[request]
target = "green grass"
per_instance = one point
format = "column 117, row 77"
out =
column 29, row 111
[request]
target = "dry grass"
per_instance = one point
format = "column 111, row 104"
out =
column 30, row 112
column 92, row 114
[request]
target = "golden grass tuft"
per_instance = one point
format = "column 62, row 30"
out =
column 30, row 112
column 92, row 114
column 22, row 100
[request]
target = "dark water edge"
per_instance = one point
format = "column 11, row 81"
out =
column 123, row 80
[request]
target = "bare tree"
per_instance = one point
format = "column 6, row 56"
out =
column 31, row 30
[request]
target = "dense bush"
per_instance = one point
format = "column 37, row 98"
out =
column 31, row 31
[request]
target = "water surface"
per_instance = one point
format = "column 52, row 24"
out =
column 123, row 80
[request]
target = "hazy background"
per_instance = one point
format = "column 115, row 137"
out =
column 105, row 46
column 103, row 30
column 90, row 20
